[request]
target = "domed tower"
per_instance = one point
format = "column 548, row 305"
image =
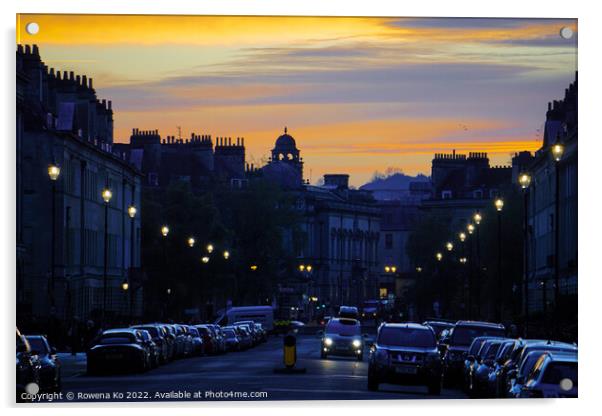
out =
column 286, row 151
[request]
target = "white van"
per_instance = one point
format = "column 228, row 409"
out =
column 263, row 315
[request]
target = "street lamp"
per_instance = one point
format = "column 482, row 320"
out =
column 106, row 196
column 419, row 269
column 387, row 269
column 499, row 205
column 165, row 230
column 209, row 248
column 132, row 213
column 477, row 218
column 302, row 267
column 54, row 172
column 449, row 246
column 462, row 236
column 191, row 242
column 205, row 259
column 439, row 256
column 524, row 180
column 226, row 255
column 253, row 267
column 470, row 228
column 557, row 153
column 125, row 285
column 308, row 268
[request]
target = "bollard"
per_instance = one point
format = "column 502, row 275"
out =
column 290, row 351
column 289, row 356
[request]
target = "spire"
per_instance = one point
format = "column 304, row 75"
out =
column 285, row 129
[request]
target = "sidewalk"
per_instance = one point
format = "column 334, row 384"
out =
column 72, row 365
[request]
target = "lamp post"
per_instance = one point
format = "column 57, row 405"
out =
column 107, row 194
column 557, row 153
column 499, row 205
column 477, row 218
column 524, row 180
column 470, row 228
column 164, row 234
column 132, row 213
column 466, row 280
column 54, row 172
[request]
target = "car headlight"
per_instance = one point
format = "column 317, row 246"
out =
column 328, row 342
column 357, row 343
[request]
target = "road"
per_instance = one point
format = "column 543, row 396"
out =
column 251, row 373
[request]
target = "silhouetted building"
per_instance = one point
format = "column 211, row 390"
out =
column 194, row 160
column 60, row 121
column 560, row 126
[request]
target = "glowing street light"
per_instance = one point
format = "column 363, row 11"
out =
column 107, row 195
column 308, row 268
column 419, row 269
column 253, row 267
column 477, row 218
column 53, row 172
column 439, row 256
column 557, row 151
column 387, row 269
column 205, row 259
column 132, row 211
column 210, row 248
column 499, row 204
column 165, row 230
column 191, row 242
column 226, row 254
column 470, row 228
column 524, row 180
column 449, row 246
column 462, row 236
column 125, row 285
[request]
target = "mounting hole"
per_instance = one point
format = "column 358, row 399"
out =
column 566, row 384
column 566, row 32
column 32, row 28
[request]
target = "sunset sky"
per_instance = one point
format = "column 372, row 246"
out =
column 359, row 95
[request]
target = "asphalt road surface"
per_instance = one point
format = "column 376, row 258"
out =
column 247, row 375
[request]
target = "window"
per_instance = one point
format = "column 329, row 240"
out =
column 388, row 241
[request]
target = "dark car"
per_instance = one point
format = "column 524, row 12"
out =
column 218, row 335
column 50, row 366
column 119, row 350
column 350, row 312
column 471, row 359
column 460, row 339
column 160, row 340
column 208, row 338
column 152, row 347
column 484, row 363
column 553, row 376
column 439, row 327
column 405, row 354
column 28, row 366
column 244, row 337
column 343, row 336
column 198, row 347
column 232, row 341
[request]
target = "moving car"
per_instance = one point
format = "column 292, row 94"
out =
column 119, row 350
column 554, row 375
column 342, row 336
column 350, row 312
column 460, row 339
column 50, row 366
column 405, row 354
column 370, row 309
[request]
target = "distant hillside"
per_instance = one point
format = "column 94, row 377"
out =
column 392, row 180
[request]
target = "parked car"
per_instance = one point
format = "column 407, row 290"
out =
column 503, row 355
column 471, row 359
column 50, row 366
column 439, row 327
column 220, row 339
column 244, row 337
column 153, row 348
column 119, row 350
column 170, row 335
column 554, row 375
column 511, row 363
column 263, row 332
column 185, row 340
column 28, row 366
column 483, row 364
column 350, row 312
column 343, row 336
column 198, row 347
column 158, row 336
column 208, row 338
column 232, row 341
column 516, row 378
column 248, row 328
column 405, row 354
column 460, row 339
